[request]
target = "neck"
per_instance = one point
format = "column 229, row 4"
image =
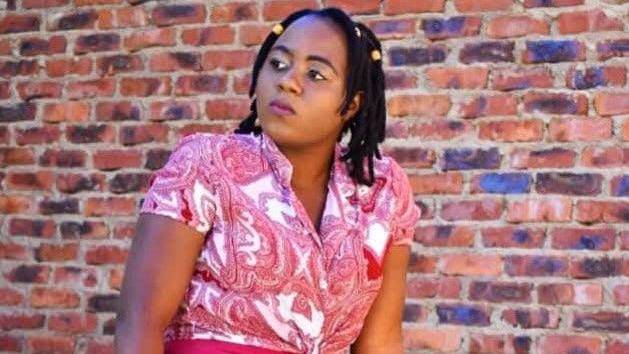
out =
column 311, row 165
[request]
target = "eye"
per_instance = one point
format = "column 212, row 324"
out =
column 315, row 74
column 274, row 63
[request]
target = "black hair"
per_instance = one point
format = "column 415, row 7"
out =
column 364, row 74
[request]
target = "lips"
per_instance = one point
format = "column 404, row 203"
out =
column 281, row 107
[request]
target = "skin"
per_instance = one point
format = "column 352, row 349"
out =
column 164, row 251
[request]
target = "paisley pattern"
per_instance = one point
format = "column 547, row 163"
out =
column 266, row 277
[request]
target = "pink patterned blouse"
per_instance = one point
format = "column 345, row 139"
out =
column 265, row 276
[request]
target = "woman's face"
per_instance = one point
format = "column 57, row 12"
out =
column 306, row 69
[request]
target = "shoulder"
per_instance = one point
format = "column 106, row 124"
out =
column 212, row 144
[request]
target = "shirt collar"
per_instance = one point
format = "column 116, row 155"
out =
column 283, row 169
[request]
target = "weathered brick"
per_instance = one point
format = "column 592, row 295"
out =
column 588, row 129
column 500, row 291
column 485, row 209
column 462, row 314
column 503, row 183
column 487, row 52
column 441, row 287
column 47, row 46
column 97, row 206
column 531, row 318
column 103, row 303
column 147, row 86
column 400, row 56
column 190, row 85
column 599, row 156
column 98, row 42
column 393, row 28
column 422, row 105
column 168, row 15
column 620, row 186
column 73, row 183
column 215, row 35
column 234, row 12
column 160, row 37
column 445, row 236
column 471, row 264
column 54, row 298
column 452, row 27
column 516, row 26
column 16, row 23
column 611, row 103
column 114, row 159
column 49, row 252
column 74, row 20
column 59, row 206
column 551, row 3
column 583, row 239
column 613, row 48
column 17, row 112
column 93, row 133
column 482, row 5
column 396, row 7
column 104, row 87
column 512, row 130
column 442, row 339
column 587, row 21
column 468, row 158
column 601, row 267
column 10, row 297
column 555, row 103
column 495, row 343
column 525, row 265
column 553, row 51
column 72, row 111
column 227, row 108
column 105, row 255
column 72, row 322
column 175, row 61
column 118, row 64
column 457, row 78
column 11, row 250
column 21, row 320
column 494, row 105
column 45, row 134
column 62, row 158
column 75, row 277
column 510, row 236
column 568, row 183
column 48, row 344
column 602, row 321
column 41, row 228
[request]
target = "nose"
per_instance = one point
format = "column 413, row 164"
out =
column 289, row 82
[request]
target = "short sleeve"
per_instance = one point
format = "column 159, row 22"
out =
column 405, row 212
column 179, row 189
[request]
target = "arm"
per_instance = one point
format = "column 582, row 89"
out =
column 158, row 270
column 382, row 330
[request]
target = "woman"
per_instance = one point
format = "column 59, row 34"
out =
column 277, row 238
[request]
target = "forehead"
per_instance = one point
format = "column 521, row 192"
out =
column 313, row 35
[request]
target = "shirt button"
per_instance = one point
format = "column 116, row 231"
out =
column 323, row 284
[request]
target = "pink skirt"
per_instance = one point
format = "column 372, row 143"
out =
column 207, row 346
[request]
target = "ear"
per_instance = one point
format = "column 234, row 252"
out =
column 354, row 106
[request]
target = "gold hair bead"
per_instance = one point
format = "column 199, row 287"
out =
column 278, row 29
column 375, row 55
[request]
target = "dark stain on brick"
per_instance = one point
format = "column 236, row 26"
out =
column 26, row 273
column 187, row 60
column 18, row 112
column 77, row 20
column 73, row 229
column 590, row 78
column 552, row 51
column 520, row 236
column 465, row 159
column 569, row 183
column 417, row 56
column 67, row 206
column 156, row 158
column 492, row 52
column 118, row 114
column 462, row 314
column 89, row 134
column 176, row 10
column 444, row 231
column 602, row 267
column 522, row 344
column 103, row 303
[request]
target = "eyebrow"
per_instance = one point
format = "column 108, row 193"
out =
column 283, row 48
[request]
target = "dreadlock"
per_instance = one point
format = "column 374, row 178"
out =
column 367, row 126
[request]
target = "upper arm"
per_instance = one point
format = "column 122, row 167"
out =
column 383, row 324
column 159, row 267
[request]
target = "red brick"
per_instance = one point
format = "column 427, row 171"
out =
column 175, row 61
column 500, row 291
column 10, row 250
column 252, row 34
column 540, row 210
column 214, row 35
column 38, row 4
column 418, row 105
column 485, row 209
column 117, row 111
column 147, row 86
column 278, row 9
column 397, row 7
column 44, row 345
column 521, row 78
column 512, row 130
column 608, row 321
column 598, row 156
column 91, row 88
column 11, row 343
column 621, row 294
column 555, row 103
column 393, row 28
column 160, row 37
column 40, row 180
column 234, row 12
column 442, row 339
column 608, row 103
column 443, row 183
column 576, row 129
column 146, row 133
column 115, row 159
column 415, row 157
column 499, row 344
column 192, row 85
column 445, row 236
column 495, row 105
column 45, row 134
column 356, row 6
column 48, row 252
column 115, row 279
column 15, row 23
column 438, row 129
column 587, row 21
column 63, row 158
column 583, row 239
column 129, row 17
column 616, row 346
column 100, row 346
column 471, row 264
column 458, row 78
column 105, row 255
column 68, row 66
column 118, row 64
column 76, row 278
column 168, row 15
column 600, row 267
column 510, row 236
column 109, row 206
column 72, row 111
column 516, row 26
column 227, row 108
column 73, row 183
column 531, row 318
column 228, row 59
column 54, row 298
column 536, row 265
column 72, row 322
column 173, row 110
column 13, row 204
column 560, row 344
column 482, row 5
column 30, row 90
column 40, row 228
column 21, row 320
column 10, row 297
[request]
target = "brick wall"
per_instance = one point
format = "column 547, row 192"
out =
column 512, row 118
